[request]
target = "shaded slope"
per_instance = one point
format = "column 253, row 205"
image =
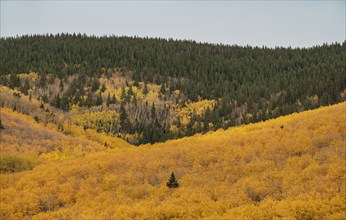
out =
column 291, row 167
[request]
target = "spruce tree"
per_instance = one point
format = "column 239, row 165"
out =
column 163, row 89
column 103, row 88
column 1, row 126
column 145, row 90
column 108, row 101
column 172, row 183
column 153, row 112
column 123, row 117
column 24, row 89
column 130, row 92
column 95, row 84
column 123, row 95
column 14, row 81
column 114, row 100
column 99, row 99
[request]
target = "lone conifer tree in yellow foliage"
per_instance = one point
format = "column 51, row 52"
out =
column 172, row 183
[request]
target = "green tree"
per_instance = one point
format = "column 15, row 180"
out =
column 1, row 126
column 89, row 100
column 24, row 89
column 99, row 99
column 14, row 81
column 57, row 101
column 124, row 122
column 114, row 99
column 123, row 95
column 130, row 92
column 103, row 88
column 153, row 112
column 163, row 89
column 172, row 182
column 108, row 101
column 145, row 90
column 95, row 84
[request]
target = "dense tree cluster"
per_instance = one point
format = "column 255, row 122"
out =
column 250, row 84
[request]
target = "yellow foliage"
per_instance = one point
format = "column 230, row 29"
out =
column 30, row 76
column 257, row 171
column 102, row 121
column 194, row 107
column 22, row 134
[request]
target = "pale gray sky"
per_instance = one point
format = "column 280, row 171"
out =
column 256, row 23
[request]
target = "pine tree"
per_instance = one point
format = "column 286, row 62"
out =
column 64, row 103
column 36, row 119
column 163, row 89
column 153, row 112
column 172, row 183
column 1, row 126
column 14, row 81
column 145, row 90
column 114, row 100
column 57, row 101
column 130, row 92
column 95, row 85
column 24, row 89
column 99, row 99
column 123, row 94
column 108, row 101
column 123, row 116
column 103, row 88
column 89, row 100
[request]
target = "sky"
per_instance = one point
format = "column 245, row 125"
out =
column 254, row 23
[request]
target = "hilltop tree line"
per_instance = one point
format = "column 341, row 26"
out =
column 249, row 83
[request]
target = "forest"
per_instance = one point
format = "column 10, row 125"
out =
column 147, row 90
column 147, row 128
column 291, row 167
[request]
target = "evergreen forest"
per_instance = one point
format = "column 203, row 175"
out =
column 148, row 90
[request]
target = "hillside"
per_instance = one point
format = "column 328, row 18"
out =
column 25, row 142
column 144, row 90
column 291, row 167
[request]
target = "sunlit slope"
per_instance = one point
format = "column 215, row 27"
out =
column 291, row 167
column 23, row 134
column 53, row 117
column 24, row 138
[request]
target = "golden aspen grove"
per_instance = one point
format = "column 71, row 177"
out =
column 119, row 127
column 291, row 167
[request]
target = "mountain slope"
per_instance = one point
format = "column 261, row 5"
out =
column 150, row 81
column 291, row 167
column 49, row 115
column 24, row 142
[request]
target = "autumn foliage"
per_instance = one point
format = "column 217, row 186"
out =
column 292, row 167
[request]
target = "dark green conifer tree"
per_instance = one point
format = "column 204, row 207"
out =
column 99, row 99
column 123, row 117
column 145, row 90
column 123, row 95
column 24, row 89
column 108, row 101
column 14, row 81
column 114, row 100
column 163, row 89
column 95, row 84
column 172, row 183
column 1, row 126
column 130, row 93
column 103, row 88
